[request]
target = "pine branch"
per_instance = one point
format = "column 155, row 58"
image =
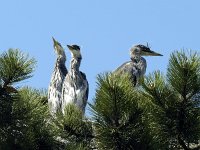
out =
column 15, row 66
column 182, row 143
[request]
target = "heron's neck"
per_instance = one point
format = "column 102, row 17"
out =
column 75, row 63
column 61, row 59
column 60, row 62
column 136, row 58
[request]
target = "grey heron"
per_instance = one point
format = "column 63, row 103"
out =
column 136, row 68
column 75, row 86
column 57, row 78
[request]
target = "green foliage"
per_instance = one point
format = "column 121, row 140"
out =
column 15, row 66
column 75, row 129
column 161, row 107
column 29, row 128
column 184, row 73
column 118, row 118
column 185, row 81
column 23, row 115
column 176, row 100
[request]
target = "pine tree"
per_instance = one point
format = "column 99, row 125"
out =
column 74, row 128
column 14, row 67
column 23, row 114
column 118, row 117
column 175, row 101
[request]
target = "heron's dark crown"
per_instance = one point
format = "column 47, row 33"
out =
column 143, row 50
column 76, row 47
column 143, row 47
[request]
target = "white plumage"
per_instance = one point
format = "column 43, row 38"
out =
column 57, row 78
column 75, row 86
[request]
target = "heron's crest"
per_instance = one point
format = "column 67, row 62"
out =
column 143, row 47
column 144, row 50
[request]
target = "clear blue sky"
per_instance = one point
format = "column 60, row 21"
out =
column 105, row 30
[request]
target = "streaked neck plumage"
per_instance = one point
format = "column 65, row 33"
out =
column 75, row 63
column 61, row 59
column 136, row 58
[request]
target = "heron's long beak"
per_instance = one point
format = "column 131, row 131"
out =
column 70, row 47
column 57, row 47
column 54, row 41
column 150, row 53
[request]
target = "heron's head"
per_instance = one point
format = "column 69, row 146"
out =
column 75, row 50
column 58, row 48
column 141, row 50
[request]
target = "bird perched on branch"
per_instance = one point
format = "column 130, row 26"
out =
column 75, row 86
column 136, row 68
column 57, row 78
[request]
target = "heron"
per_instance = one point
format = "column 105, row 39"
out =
column 75, row 86
column 57, row 78
column 136, row 68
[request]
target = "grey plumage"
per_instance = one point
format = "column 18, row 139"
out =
column 136, row 68
column 75, row 86
column 57, row 78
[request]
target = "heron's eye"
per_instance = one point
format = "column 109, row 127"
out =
column 136, row 50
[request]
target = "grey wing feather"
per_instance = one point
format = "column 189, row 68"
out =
column 87, row 93
column 85, row 97
column 84, row 77
column 128, row 68
column 122, row 68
